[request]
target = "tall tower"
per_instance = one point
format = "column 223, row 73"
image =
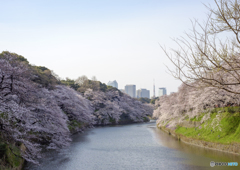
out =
column 153, row 89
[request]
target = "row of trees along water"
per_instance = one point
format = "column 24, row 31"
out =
column 207, row 61
column 38, row 110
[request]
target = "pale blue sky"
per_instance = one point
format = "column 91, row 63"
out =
column 109, row 39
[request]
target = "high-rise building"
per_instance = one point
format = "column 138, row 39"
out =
column 131, row 90
column 143, row 93
column 162, row 91
column 113, row 84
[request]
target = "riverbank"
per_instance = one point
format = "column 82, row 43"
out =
column 134, row 146
column 219, row 132
column 230, row 148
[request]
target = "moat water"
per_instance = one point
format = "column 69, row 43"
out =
column 131, row 147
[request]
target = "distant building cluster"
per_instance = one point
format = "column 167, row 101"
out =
column 130, row 89
column 141, row 93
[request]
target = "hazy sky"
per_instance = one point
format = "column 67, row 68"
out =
column 109, row 39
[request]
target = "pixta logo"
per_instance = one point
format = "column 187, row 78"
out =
column 212, row 164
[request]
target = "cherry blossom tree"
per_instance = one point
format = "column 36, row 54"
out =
column 28, row 114
column 205, row 56
column 40, row 117
column 75, row 106
column 112, row 106
column 191, row 102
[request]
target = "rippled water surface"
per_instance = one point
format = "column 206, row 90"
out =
column 130, row 147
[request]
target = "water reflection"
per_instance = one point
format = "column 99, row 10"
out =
column 130, row 147
column 191, row 154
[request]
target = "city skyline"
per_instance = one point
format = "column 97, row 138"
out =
column 101, row 38
column 138, row 92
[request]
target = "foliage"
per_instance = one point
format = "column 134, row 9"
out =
column 70, row 83
column 43, row 76
column 37, row 74
column 197, row 118
column 39, row 112
column 144, row 99
column 81, row 80
column 74, row 126
column 74, row 105
column 13, row 57
column 89, row 84
column 83, row 83
column 10, row 156
column 111, row 105
column 28, row 113
column 192, row 102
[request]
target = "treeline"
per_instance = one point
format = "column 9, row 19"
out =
column 82, row 83
column 147, row 100
column 39, row 110
column 190, row 102
column 208, row 66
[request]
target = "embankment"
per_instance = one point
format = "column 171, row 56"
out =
column 221, row 131
column 230, row 148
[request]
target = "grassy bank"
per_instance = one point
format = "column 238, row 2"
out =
column 223, row 126
column 220, row 131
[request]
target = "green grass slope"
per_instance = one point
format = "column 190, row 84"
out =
column 223, row 126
